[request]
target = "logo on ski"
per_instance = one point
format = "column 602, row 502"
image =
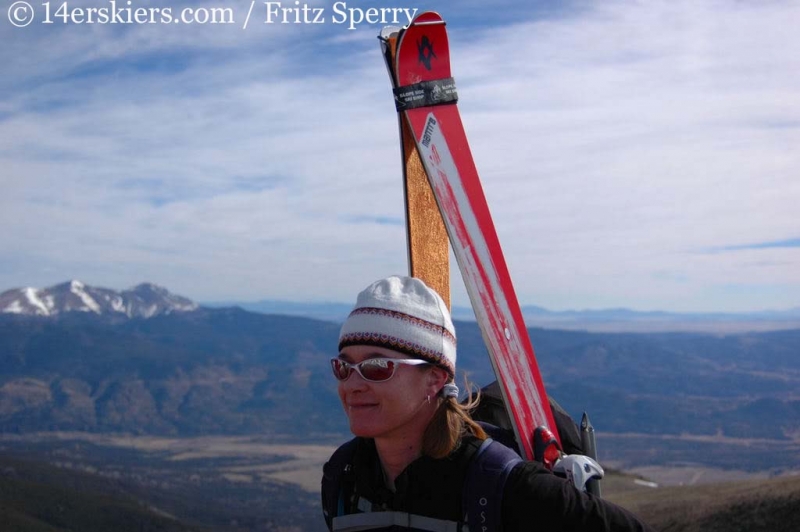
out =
column 436, row 94
column 427, row 134
column 426, row 53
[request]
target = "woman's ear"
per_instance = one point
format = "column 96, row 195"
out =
column 437, row 378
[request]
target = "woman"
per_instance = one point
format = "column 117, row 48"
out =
column 409, row 462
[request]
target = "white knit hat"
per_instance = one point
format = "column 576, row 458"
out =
column 403, row 314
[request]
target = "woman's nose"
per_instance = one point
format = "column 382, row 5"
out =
column 354, row 382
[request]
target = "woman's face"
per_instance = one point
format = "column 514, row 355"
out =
column 397, row 408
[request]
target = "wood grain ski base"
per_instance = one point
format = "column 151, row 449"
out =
column 428, row 244
column 426, row 236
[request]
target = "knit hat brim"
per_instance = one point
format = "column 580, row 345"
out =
column 405, row 315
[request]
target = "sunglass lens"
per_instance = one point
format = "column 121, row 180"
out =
column 377, row 370
column 341, row 370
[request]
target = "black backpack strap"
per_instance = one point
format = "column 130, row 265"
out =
column 501, row 435
column 338, row 481
column 486, row 480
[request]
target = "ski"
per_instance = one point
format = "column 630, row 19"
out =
column 426, row 236
column 425, row 96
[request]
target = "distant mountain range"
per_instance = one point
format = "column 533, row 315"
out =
column 147, row 300
column 229, row 371
column 607, row 320
column 142, row 301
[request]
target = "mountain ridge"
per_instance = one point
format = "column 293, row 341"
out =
column 144, row 300
column 600, row 320
column 147, row 300
column 230, row 371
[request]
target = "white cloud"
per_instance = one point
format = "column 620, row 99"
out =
column 617, row 144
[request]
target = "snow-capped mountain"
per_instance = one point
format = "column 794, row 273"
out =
column 142, row 301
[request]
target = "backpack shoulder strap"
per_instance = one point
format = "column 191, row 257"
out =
column 337, row 480
column 483, row 489
column 501, row 435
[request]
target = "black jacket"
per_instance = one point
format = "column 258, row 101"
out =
column 533, row 499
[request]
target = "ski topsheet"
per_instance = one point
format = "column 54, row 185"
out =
column 425, row 94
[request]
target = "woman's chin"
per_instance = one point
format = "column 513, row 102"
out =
column 364, row 429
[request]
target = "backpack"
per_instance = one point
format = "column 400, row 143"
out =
column 482, row 496
column 491, row 409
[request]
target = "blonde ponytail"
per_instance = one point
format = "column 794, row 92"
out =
column 449, row 423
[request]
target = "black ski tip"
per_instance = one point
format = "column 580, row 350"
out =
column 388, row 32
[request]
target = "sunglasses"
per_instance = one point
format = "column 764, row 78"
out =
column 371, row 369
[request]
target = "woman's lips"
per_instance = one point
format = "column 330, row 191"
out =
column 360, row 405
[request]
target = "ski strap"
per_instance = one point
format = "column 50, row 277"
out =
column 425, row 94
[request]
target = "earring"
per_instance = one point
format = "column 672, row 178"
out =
column 428, row 398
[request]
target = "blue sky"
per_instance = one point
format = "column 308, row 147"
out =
column 634, row 154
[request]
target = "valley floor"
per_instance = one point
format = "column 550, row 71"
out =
column 240, row 483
